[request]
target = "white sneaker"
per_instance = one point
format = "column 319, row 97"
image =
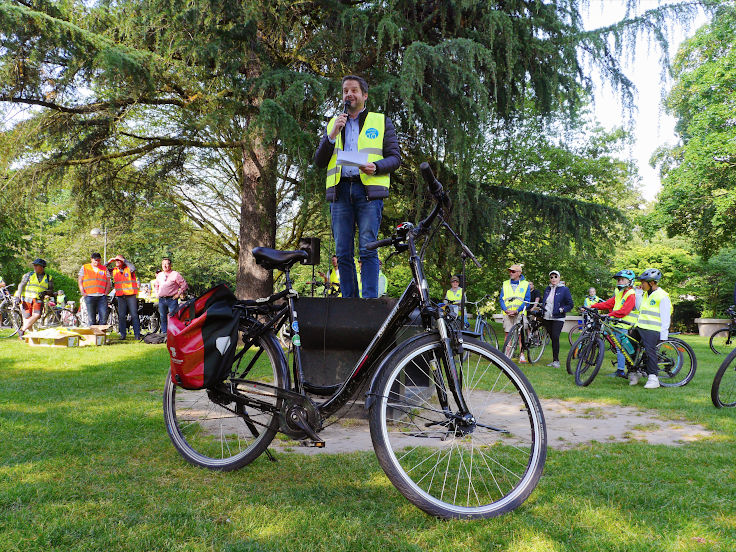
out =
column 522, row 358
column 554, row 364
column 633, row 378
column 652, row 382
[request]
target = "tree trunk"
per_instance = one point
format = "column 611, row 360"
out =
column 257, row 219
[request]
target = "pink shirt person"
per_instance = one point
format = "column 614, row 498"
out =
column 169, row 283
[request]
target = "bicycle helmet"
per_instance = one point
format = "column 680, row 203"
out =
column 625, row 273
column 651, row 274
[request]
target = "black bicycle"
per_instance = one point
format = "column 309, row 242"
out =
column 456, row 426
column 723, row 340
column 723, row 390
column 676, row 362
column 527, row 335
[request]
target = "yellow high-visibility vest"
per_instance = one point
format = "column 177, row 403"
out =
column 649, row 315
column 370, row 141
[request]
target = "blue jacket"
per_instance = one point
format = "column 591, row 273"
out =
column 562, row 302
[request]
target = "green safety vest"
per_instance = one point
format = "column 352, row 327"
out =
column 454, row 296
column 370, row 141
column 620, row 297
column 591, row 300
column 514, row 299
column 35, row 287
column 649, row 316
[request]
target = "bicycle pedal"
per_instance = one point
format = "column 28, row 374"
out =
column 310, row 443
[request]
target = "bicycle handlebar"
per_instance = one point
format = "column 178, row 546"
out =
column 380, row 243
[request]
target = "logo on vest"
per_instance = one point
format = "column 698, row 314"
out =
column 372, row 133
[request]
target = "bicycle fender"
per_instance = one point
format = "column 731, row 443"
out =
column 372, row 388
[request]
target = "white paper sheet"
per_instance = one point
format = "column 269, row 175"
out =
column 352, row 158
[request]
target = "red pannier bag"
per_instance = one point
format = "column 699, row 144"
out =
column 202, row 336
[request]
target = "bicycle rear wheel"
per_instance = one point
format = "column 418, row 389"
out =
column 211, row 430
column 444, row 466
column 488, row 334
column 722, row 341
column 676, row 363
column 723, row 390
column 574, row 334
column 537, row 342
column 511, row 346
column 590, row 359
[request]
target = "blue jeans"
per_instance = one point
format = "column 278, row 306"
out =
column 352, row 209
column 166, row 306
column 126, row 304
column 96, row 309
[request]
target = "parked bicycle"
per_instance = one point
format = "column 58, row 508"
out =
column 53, row 316
column 723, row 390
column 10, row 313
column 481, row 326
column 527, row 335
column 676, row 360
column 724, row 340
column 459, row 436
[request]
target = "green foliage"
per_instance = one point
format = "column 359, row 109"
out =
column 67, row 283
column 699, row 187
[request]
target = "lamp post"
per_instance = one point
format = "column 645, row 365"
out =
column 97, row 232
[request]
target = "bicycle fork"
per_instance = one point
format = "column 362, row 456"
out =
column 452, row 376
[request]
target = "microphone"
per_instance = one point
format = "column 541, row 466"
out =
column 346, row 106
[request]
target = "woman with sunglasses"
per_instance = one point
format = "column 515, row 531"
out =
column 557, row 302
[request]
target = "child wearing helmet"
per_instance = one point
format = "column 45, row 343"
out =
column 653, row 324
column 622, row 306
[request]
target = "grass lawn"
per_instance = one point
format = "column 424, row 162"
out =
column 85, row 464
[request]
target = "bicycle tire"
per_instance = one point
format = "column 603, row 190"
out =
column 51, row 319
column 590, row 360
column 210, row 432
column 723, row 390
column 574, row 334
column 488, row 334
column 68, row 318
column 511, row 345
column 573, row 354
column 722, row 341
column 481, row 473
column 16, row 319
column 678, row 375
column 537, row 343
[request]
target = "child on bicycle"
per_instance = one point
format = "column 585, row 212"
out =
column 653, row 323
column 622, row 306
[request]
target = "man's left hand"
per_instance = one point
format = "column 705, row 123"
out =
column 370, row 168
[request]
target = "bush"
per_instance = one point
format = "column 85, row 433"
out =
column 69, row 285
column 684, row 315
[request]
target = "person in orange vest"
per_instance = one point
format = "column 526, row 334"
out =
column 126, row 294
column 94, row 285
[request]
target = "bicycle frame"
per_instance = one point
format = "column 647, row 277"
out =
column 415, row 294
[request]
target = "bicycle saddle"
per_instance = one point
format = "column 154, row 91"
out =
column 273, row 258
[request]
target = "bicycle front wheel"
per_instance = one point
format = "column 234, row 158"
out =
column 723, row 390
column 722, row 341
column 590, row 358
column 537, row 342
column 448, row 467
column 676, row 363
column 488, row 335
column 211, row 430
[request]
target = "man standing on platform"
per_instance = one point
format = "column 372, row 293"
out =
column 170, row 287
column 356, row 193
column 94, row 285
